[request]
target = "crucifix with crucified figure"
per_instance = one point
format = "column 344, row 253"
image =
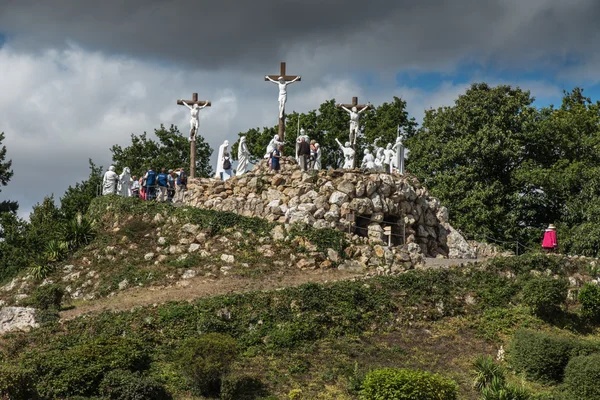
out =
column 195, row 106
column 282, row 80
column 354, row 110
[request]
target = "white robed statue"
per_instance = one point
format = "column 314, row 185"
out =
column 348, row 154
column 243, row 157
column 368, row 161
column 109, row 182
column 273, row 144
column 221, row 171
column 125, row 183
column 317, row 164
column 399, row 149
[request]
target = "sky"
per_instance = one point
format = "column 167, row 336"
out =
column 77, row 77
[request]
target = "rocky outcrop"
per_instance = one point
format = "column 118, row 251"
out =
column 363, row 204
column 17, row 319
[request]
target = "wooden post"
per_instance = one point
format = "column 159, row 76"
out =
column 281, row 127
column 193, row 142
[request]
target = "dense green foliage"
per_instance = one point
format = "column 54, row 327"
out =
column 77, row 199
column 15, row 383
column 126, row 385
column 545, row 295
column 205, row 359
column 172, row 150
column 506, row 169
column 242, row 387
column 589, row 297
column 329, row 123
column 490, row 381
column 5, row 174
column 582, row 377
column 405, row 384
column 46, row 297
column 543, row 356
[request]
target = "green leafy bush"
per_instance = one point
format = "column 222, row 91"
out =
column 46, row 297
column 204, row 360
column 545, row 294
column 582, row 377
column 242, row 387
column 16, row 383
column 543, row 357
column 589, row 297
column 79, row 231
column 126, row 385
column 41, row 269
column 56, row 250
column 406, row 384
column 79, row 369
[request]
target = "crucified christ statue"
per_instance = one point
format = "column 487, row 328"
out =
column 282, row 83
column 353, row 110
column 194, row 120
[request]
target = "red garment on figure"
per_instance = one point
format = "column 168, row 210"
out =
column 549, row 241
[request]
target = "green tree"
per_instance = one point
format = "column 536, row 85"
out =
column 77, row 199
column 171, row 151
column 5, row 174
column 470, row 154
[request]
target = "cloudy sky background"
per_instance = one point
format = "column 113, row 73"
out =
column 78, row 76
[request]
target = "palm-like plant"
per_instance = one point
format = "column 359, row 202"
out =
column 499, row 390
column 56, row 250
column 79, row 231
column 486, row 371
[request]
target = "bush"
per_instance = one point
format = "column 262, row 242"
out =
column 405, row 384
column 500, row 390
column 543, row 357
column 127, row 385
column 47, row 297
column 589, row 297
column 545, row 294
column 486, row 370
column 242, row 387
column 582, row 377
column 204, row 360
column 79, row 369
column 16, row 383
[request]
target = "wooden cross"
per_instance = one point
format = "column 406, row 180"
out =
column 193, row 135
column 355, row 104
column 281, row 129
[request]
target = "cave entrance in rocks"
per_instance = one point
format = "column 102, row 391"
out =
column 397, row 225
column 361, row 225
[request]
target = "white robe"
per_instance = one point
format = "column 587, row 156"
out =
column 109, row 183
column 243, row 157
column 272, row 145
column 368, row 161
column 124, row 187
column 317, row 165
column 220, row 159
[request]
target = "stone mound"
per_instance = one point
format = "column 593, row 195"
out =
column 366, row 204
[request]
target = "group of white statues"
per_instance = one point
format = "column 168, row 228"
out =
column 224, row 168
column 112, row 183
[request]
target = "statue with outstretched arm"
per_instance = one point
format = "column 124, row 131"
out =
column 348, row 155
column 354, row 120
column 194, row 120
column 282, row 83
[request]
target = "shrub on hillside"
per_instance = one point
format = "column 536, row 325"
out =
column 543, row 357
column 545, row 295
column 46, row 297
column 242, row 387
column 78, row 369
column 406, row 384
column 582, row 377
column 589, row 297
column 204, row 360
column 16, row 383
column 126, row 385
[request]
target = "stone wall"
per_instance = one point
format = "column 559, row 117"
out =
column 359, row 203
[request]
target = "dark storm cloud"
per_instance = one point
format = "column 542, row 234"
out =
column 232, row 34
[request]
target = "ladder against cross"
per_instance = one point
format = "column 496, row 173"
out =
column 287, row 78
column 193, row 135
